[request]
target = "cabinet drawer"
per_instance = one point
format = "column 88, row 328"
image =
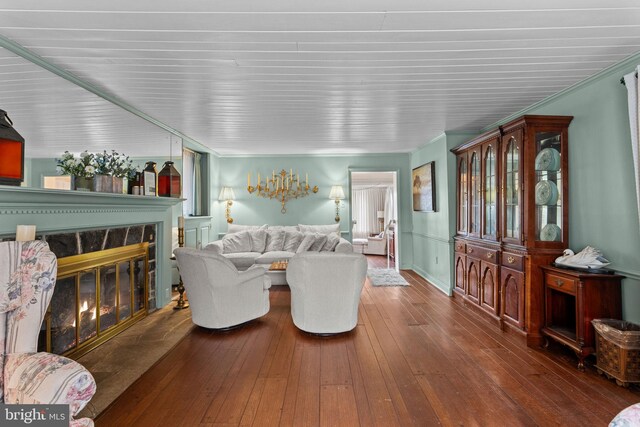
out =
column 461, row 247
column 561, row 283
column 488, row 255
column 513, row 261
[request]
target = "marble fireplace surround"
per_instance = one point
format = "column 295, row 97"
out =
column 82, row 219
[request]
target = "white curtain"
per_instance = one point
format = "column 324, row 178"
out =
column 187, row 182
column 390, row 205
column 631, row 81
column 366, row 204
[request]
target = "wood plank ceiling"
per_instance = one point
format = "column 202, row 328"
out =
column 284, row 76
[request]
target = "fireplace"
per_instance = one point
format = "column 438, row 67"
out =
column 97, row 295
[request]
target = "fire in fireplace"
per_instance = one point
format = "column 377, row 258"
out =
column 97, row 295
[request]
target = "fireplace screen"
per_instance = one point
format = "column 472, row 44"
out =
column 96, row 296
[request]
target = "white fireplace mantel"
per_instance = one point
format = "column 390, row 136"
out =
column 62, row 210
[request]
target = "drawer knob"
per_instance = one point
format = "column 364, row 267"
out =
column 489, row 255
column 511, row 260
column 470, row 250
column 559, row 283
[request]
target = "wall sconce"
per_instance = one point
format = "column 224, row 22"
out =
column 11, row 152
column 337, row 193
column 226, row 193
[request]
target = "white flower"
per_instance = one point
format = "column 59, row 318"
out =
column 79, row 162
column 69, row 162
column 89, row 169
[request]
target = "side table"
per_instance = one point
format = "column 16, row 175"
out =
column 572, row 299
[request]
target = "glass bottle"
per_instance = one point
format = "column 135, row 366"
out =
column 149, row 179
column 169, row 181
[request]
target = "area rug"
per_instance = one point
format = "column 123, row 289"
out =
column 386, row 277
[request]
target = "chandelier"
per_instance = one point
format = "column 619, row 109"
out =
column 282, row 187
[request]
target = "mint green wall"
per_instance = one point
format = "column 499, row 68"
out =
column 433, row 231
column 324, row 171
column 602, row 199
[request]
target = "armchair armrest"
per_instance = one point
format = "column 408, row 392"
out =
column 215, row 247
column 45, row 378
column 253, row 272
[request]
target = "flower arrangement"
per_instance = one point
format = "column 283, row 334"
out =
column 86, row 165
column 83, row 166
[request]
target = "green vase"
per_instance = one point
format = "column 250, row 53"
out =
column 81, row 183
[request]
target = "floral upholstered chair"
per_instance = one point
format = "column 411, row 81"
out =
column 27, row 278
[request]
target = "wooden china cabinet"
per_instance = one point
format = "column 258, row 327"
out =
column 512, row 218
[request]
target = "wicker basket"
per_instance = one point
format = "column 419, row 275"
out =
column 618, row 350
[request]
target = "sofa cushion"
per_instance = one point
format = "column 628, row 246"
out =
column 292, row 240
column 318, row 244
column 236, row 228
column 275, row 240
column 308, row 240
column 322, row 229
column 269, row 257
column 236, row 242
column 258, row 240
column 242, row 260
column 331, row 243
column 284, row 227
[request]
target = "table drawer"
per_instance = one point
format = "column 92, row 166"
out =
column 489, row 255
column 461, row 247
column 513, row 261
column 561, row 283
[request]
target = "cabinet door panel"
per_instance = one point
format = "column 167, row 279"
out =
column 512, row 297
column 463, row 195
column 511, row 164
column 475, row 192
column 460, row 273
column 489, row 288
column 473, row 279
column 490, row 190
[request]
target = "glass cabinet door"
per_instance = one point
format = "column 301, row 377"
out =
column 463, row 212
column 512, row 202
column 490, row 191
column 476, row 194
column 548, row 187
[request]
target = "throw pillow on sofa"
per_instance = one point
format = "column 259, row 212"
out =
column 236, row 242
column 318, row 244
column 292, row 240
column 275, row 240
column 332, row 242
column 311, row 242
column 322, row 229
column 258, row 240
column 236, row 228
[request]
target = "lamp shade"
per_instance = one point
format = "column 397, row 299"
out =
column 226, row 193
column 11, row 152
column 380, row 215
column 336, row 192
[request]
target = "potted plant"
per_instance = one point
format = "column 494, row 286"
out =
column 81, row 169
column 103, row 181
column 122, row 167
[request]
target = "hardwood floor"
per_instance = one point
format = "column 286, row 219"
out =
column 379, row 261
column 416, row 357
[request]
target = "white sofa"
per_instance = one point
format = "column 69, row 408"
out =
column 325, row 290
column 247, row 245
column 221, row 296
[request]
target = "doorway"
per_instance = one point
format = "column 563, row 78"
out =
column 374, row 216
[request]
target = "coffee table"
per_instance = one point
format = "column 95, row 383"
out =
column 278, row 272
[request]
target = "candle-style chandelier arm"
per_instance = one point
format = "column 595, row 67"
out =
column 282, row 186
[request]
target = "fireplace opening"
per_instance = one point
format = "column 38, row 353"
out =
column 97, row 295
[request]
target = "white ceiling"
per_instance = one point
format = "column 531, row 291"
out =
column 332, row 76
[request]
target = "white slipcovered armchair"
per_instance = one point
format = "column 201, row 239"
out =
column 28, row 273
column 221, row 296
column 325, row 290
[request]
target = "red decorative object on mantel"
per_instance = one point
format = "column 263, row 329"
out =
column 169, row 181
column 11, row 152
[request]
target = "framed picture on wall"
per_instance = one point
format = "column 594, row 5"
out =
column 424, row 187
